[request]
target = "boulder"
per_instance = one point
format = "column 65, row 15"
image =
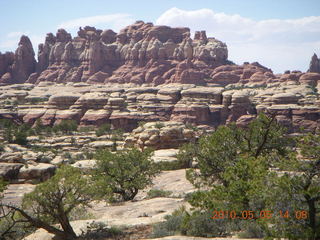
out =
column 10, row 171
column 41, row 171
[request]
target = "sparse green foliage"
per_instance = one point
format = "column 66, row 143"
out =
column 103, row 129
column 124, row 173
column 187, row 154
column 141, row 123
column 86, row 129
column 168, row 165
column 196, row 224
column 153, row 193
column 298, row 190
column 3, row 185
column 238, row 166
column 227, row 144
column 159, row 125
column 14, row 133
column 66, row 126
column 116, row 135
column 97, row 230
column 54, row 200
column 1, row 148
column 251, row 229
column 39, row 128
column 191, row 127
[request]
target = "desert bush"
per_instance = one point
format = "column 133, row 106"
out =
column 171, row 225
column 251, row 229
column 168, row 166
column 197, row 224
column 86, row 129
column 96, row 230
column 200, row 224
column 66, row 126
column 159, row 125
column 153, row 193
column 103, row 129
column 187, row 154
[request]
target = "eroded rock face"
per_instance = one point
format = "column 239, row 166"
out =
column 140, row 53
column 314, row 64
column 17, row 67
column 124, row 107
column 160, row 135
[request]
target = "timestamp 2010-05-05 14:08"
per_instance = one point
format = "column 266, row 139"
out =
column 264, row 214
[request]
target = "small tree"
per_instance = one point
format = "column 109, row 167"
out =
column 52, row 201
column 66, row 126
column 14, row 133
column 297, row 191
column 224, row 147
column 234, row 166
column 125, row 172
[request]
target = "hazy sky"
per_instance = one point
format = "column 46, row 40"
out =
column 280, row 34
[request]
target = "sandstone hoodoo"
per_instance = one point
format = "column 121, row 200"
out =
column 314, row 64
column 140, row 53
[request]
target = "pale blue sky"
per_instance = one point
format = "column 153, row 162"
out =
column 285, row 43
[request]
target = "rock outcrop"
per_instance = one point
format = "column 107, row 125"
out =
column 140, row 53
column 17, row 67
column 314, row 64
column 294, row 99
column 149, row 73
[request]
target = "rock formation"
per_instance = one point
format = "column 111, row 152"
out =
column 314, row 64
column 140, row 53
column 149, row 73
column 293, row 98
column 17, row 67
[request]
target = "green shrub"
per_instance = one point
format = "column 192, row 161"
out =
column 97, row 230
column 80, row 213
column 103, row 129
column 21, row 137
column 251, row 229
column 88, row 155
column 153, row 193
column 86, row 129
column 168, row 166
column 191, row 127
column 17, row 230
column 1, row 148
column 171, row 226
column 66, row 126
column 14, row 133
column 187, row 154
column 159, row 125
column 200, row 224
